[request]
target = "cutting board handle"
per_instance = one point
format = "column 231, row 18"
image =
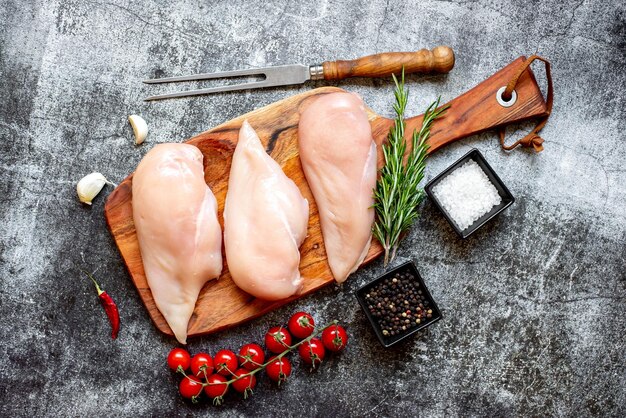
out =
column 439, row 60
column 478, row 109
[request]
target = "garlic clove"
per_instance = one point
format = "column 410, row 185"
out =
column 89, row 186
column 140, row 128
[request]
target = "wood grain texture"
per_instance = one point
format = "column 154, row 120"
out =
column 439, row 60
column 221, row 303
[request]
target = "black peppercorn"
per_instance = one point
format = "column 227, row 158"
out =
column 398, row 304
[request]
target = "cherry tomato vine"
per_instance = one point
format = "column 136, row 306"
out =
column 214, row 376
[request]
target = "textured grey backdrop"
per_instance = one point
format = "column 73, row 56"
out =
column 534, row 304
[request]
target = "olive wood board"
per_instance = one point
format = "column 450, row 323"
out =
column 221, row 304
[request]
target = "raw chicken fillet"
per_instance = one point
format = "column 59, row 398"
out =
column 338, row 156
column 180, row 238
column 265, row 222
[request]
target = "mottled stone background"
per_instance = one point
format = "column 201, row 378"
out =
column 534, row 304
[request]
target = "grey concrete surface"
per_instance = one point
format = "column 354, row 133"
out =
column 534, row 305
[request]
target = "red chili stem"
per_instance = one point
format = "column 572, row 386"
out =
column 109, row 307
column 94, row 281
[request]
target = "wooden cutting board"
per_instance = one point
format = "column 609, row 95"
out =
column 221, row 303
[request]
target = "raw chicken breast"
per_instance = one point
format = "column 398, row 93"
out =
column 265, row 222
column 179, row 235
column 338, row 156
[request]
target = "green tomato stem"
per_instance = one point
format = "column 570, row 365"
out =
column 289, row 349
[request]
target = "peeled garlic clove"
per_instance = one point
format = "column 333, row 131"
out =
column 89, row 186
column 140, row 128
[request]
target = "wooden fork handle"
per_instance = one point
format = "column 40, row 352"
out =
column 438, row 60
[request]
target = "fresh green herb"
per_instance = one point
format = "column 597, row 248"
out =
column 397, row 195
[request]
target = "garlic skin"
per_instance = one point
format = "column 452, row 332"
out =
column 89, row 186
column 140, row 128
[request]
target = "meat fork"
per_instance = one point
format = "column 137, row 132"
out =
column 438, row 60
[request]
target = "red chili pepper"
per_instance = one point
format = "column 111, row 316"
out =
column 109, row 307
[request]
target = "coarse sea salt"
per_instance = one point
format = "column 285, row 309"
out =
column 466, row 194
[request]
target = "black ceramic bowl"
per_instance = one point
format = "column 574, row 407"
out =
column 505, row 194
column 429, row 303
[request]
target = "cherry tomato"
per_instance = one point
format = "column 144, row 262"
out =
column 312, row 352
column 225, row 362
column 217, row 388
column 335, row 338
column 277, row 339
column 190, row 387
column 244, row 384
column 279, row 369
column 301, row 325
column 178, row 357
column 201, row 363
column 251, row 356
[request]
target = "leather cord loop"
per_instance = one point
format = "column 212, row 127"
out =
column 532, row 139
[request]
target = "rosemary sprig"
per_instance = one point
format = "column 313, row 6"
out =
column 397, row 195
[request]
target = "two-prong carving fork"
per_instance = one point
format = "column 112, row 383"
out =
column 438, row 60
